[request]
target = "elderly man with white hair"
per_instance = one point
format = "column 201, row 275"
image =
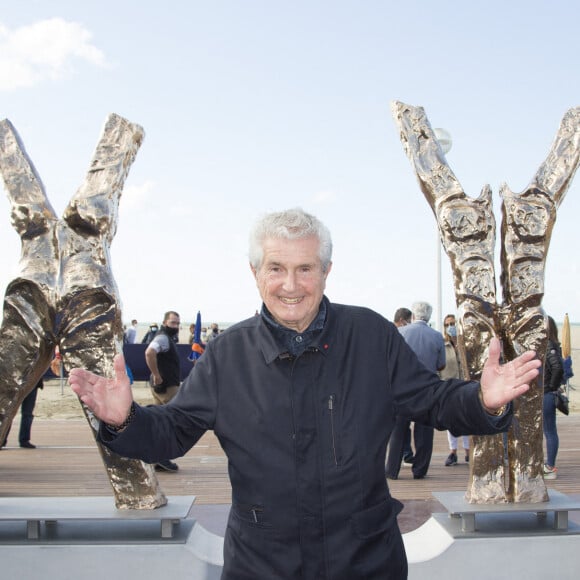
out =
column 303, row 405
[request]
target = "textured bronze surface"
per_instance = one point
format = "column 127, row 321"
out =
column 65, row 294
column 467, row 229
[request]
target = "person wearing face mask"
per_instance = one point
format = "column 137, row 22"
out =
column 150, row 334
column 162, row 359
column 452, row 370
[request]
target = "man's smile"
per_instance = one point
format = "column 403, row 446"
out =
column 290, row 300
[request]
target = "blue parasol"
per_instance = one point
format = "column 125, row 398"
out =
column 197, row 346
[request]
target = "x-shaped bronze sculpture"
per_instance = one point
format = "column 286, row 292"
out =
column 65, row 293
column 467, row 229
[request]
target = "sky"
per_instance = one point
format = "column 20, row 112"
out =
column 252, row 106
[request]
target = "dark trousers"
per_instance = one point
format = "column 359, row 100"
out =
column 550, row 429
column 27, row 412
column 407, row 449
column 396, row 444
column 423, row 439
column 27, row 416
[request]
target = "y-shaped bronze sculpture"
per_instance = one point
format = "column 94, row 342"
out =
column 65, row 293
column 467, row 228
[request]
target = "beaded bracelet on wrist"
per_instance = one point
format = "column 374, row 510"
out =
column 497, row 412
column 126, row 422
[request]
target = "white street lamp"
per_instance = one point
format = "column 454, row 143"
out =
column 445, row 142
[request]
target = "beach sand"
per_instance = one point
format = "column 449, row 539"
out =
column 57, row 401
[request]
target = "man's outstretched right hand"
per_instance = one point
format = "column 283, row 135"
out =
column 109, row 399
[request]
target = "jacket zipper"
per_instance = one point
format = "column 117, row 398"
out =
column 332, row 431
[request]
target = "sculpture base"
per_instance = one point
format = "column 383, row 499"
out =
column 44, row 516
column 508, row 540
column 86, row 537
column 559, row 505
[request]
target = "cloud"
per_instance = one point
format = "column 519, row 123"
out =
column 45, row 50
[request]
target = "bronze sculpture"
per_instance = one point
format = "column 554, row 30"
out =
column 467, row 229
column 65, row 294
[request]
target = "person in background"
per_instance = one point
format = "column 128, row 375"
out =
column 303, row 404
column 452, row 370
column 428, row 346
column 403, row 316
column 553, row 375
column 26, row 418
column 150, row 334
column 162, row 359
column 131, row 333
column 212, row 332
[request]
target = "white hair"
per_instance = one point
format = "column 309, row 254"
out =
column 422, row 311
column 290, row 224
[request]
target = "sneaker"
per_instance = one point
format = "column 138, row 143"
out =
column 166, row 466
column 550, row 472
column 451, row 460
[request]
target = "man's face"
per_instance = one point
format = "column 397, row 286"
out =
column 172, row 321
column 291, row 281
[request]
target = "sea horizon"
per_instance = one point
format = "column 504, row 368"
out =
column 143, row 327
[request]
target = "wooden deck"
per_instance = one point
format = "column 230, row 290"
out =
column 66, row 463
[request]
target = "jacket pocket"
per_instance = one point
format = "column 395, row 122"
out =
column 250, row 515
column 254, row 548
column 377, row 519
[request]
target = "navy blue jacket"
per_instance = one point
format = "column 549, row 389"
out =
column 305, row 439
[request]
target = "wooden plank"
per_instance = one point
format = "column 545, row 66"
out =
column 67, row 463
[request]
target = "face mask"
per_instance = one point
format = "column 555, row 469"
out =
column 451, row 330
column 171, row 331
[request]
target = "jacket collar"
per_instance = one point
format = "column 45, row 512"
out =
column 274, row 337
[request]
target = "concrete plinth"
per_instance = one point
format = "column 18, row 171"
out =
column 74, row 539
column 496, row 541
column 86, row 537
column 196, row 554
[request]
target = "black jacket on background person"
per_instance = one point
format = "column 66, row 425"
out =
column 305, row 439
column 168, row 362
column 553, row 367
